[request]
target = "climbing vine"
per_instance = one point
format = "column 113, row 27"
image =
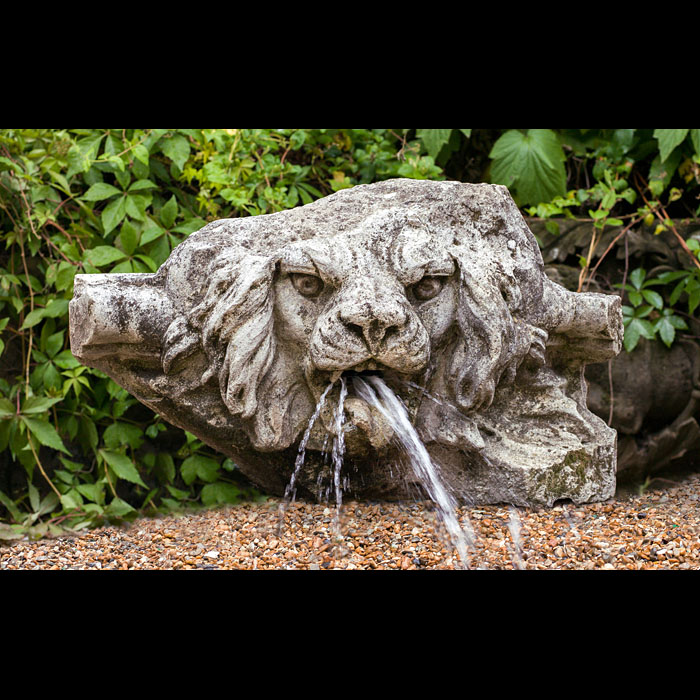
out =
column 76, row 450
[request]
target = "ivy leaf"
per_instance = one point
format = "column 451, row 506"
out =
column 177, row 149
column 148, row 262
column 142, row 185
column 136, row 205
column 119, row 434
column 45, row 433
column 54, row 343
column 637, row 277
column 103, row 255
column 64, row 276
column 532, row 163
column 635, row 329
column 635, row 298
column 7, row 408
column 122, row 466
column 150, row 232
column 668, row 140
column 169, row 212
column 93, row 492
column 666, row 331
column 129, row 238
column 81, row 155
column 165, row 467
column 11, row 507
column 38, row 404
column 666, row 277
column 118, row 508
column 100, row 191
column 69, row 501
column 693, row 300
column 197, row 466
column 433, row 139
column 141, row 153
column 54, row 309
column 220, row 493
column 661, row 172
column 653, row 298
column 113, row 214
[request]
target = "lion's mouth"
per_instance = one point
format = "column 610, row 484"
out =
column 345, row 393
column 366, row 368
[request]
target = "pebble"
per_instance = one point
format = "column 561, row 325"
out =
column 659, row 529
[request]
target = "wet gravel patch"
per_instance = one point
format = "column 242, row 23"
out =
column 659, row 529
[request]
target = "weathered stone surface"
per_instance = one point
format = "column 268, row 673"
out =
column 655, row 395
column 437, row 286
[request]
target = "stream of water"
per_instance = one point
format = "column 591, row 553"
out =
column 290, row 491
column 376, row 393
column 373, row 390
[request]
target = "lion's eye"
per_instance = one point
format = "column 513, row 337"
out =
column 428, row 287
column 307, row 285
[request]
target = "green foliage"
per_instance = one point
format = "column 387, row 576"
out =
column 647, row 317
column 530, row 163
column 440, row 142
column 76, row 450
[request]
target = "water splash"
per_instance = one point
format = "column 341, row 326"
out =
column 290, row 491
column 339, row 450
column 388, row 404
column 572, row 524
column 514, row 527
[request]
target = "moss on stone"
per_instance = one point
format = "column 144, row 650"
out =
column 564, row 479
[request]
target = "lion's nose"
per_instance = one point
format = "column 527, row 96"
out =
column 373, row 322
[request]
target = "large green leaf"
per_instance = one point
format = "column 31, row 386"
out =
column 531, row 163
column 7, row 408
column 169, row 212
column 119, row 434
column 82, row 154
column 129, row 237
column 39, row 404
column 668, row 140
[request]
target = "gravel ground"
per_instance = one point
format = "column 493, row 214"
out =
column 659, row 529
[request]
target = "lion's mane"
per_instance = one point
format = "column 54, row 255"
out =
column 234, row 326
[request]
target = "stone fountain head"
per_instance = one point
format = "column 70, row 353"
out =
column 438, row 287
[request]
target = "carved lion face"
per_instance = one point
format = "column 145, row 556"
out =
column 365, row 302
column 390, row 297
